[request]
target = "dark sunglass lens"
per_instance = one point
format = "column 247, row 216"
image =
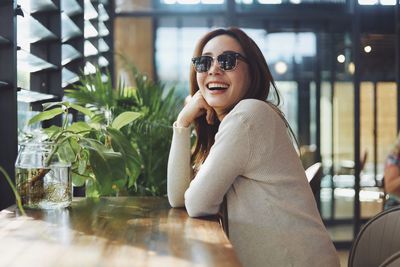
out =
column 227, row 61
column 202, row 64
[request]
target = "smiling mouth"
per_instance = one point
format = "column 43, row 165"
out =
column 217, row 86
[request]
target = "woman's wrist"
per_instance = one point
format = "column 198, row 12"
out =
column 182, row 123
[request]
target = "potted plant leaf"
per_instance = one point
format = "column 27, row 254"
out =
column 151, row 133
column 100, row 155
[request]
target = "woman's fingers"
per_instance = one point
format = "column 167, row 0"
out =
column 208, row 109
column 210, row 115
column 195, row 107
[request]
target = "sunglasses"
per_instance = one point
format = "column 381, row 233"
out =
column 226, row 62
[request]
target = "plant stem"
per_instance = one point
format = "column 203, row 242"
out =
column 65, row 122
column 17, row 196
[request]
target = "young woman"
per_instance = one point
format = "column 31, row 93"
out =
column 243, row 151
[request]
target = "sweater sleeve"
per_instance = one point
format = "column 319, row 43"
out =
column 227, row 160
column 179, row 170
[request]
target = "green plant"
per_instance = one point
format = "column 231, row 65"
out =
column 102, row 157
column 17, row 196
column 151, row 133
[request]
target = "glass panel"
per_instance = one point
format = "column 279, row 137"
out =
column 288, row 92
column 255, row 2
column 69, row 53
column 90, row 30
column 30, row 31
column 326, row 148
column 344, row 122
column 387, row 121
column 370, row 200
column 69, row 29
column 103, row 16
column 174, row 49
column 376, row 2
column 367, row 131
column 103, row 47
column 90, row 11
column 33, row 6
column 313, row 113
column 71, row 7
column 103, row 31
column 31, row 63
column 270, row 1
column 103, row 62
column 89, row 49
column 343, row 119
column 23, row 78
column 326, row 124
column 68, row 77
column 4, row 40
column 27, row 96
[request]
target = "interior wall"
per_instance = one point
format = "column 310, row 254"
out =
column 133, row 42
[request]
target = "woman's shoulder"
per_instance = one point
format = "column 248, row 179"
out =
column 254, row 109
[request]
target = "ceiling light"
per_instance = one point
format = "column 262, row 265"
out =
column 281, row 67
column 351, row 68
column 367, row 49
column 341, row 58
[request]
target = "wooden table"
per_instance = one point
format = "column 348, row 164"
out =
column 124, row 231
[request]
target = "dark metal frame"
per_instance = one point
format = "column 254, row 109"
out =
column 397, row 32
column 356, row 81
column 8, row 100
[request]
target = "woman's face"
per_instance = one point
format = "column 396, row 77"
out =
column 223, row 89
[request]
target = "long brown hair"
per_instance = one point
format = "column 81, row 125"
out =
column 260, row 84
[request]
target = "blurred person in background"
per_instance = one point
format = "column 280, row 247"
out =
column 392, row 176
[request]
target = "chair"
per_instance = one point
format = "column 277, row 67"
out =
column 314, row 176
column 392, row 261
column 378, row 239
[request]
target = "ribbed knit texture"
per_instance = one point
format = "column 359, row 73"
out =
column 273, row 217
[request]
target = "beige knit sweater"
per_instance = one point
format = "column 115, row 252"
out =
column 272, row 214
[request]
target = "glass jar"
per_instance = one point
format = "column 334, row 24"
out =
column 42, row 179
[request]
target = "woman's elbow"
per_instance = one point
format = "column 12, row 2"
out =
column 192, row 212
column 176, row 202
column 199, row 208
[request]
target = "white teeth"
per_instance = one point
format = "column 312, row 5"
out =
column 217, row 85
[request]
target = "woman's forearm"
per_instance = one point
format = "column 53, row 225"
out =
column 179, row 170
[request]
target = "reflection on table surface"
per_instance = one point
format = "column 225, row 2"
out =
column 123, row 231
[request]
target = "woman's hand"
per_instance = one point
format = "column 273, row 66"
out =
column 195, row 107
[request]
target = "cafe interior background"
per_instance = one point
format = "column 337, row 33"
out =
column 335, row 62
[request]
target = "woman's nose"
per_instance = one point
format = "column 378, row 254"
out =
column 214, row 68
